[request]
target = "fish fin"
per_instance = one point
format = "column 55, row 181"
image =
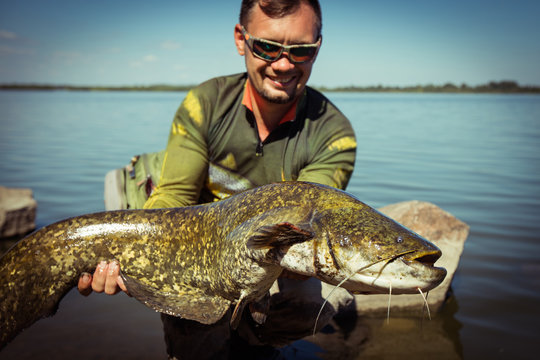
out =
column 276, row 235
column 259, row 309
column 237, row 313
column 189, row 303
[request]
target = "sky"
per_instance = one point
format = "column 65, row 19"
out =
column 177, row 42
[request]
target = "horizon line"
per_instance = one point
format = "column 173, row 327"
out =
column 491, row 86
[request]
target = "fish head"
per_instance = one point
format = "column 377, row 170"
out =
column 370, row 253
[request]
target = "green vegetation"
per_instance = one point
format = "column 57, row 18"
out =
column 503, row 87
column 94, row 88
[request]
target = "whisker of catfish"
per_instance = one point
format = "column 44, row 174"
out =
column 389, row 297
column 326, row 300
column 426, row 305
column 388, row 259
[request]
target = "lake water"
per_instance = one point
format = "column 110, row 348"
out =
column 475, row 156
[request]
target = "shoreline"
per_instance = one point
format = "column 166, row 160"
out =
column 502, row 87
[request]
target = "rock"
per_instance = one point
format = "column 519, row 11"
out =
column 439, row 227
column 17, row 212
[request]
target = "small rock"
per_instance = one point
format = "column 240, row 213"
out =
column 17, row 212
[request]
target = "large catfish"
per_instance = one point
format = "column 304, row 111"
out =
column 196, row 262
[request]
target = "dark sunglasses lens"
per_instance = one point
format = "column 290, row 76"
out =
column 302, row 54
column 266, row 50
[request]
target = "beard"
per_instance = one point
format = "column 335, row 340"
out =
column 283, row 98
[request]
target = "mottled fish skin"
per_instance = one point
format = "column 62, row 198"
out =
column 195, row 262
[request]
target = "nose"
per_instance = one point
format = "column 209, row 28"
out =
column 283, row 64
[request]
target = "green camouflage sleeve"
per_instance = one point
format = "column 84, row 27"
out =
column 186, row 158
column 333, row 161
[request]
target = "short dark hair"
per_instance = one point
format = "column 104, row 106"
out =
column 279, row 8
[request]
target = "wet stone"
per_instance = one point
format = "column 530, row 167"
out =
column 17, row 212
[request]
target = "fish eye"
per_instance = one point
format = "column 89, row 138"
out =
column 399, row 239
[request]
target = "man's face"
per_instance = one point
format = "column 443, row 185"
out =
column 280, row 81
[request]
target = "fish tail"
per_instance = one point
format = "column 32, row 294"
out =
column 36, row 274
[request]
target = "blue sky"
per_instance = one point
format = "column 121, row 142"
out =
column 406, row 42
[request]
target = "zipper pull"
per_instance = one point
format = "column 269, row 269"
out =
column 259, row 150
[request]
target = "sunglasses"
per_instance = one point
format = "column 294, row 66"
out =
column 271, row 50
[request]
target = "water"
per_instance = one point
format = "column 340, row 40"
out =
column 476, row 156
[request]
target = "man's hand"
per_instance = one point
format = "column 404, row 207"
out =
column 105, row 279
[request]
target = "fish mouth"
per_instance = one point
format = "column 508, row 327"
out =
column 424, row 257
column 406, row 272
column 423, row 264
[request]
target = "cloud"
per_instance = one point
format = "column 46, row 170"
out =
column 170, row 45
column 8, row 35
column 144, row 60
column 113, row 50
column 12, row 44
column 14, row 51
column 67, row 54
column 67, row 57
column 149, row 58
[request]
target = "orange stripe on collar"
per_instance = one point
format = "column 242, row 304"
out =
column 246, row 101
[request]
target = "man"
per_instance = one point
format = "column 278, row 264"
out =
column 237, row 132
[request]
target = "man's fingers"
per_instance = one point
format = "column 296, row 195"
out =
column 85, row 284
column 111, row 287
column 105, row 279
column 121, row 285
column 99, row 277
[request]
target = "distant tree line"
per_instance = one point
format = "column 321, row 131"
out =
column 506, row 87
column 95, row 88
column 492, row 87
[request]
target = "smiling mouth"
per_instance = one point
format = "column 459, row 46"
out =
column 281, row 81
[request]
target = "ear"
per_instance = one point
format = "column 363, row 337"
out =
column 239, row 40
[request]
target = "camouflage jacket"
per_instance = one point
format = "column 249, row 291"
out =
column 214, row 148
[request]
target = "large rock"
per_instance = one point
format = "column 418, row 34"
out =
column 439, row 227
column 17, row 212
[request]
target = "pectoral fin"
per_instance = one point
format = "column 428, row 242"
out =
column 191, row 303
column 276, row 235
column 237, row 313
